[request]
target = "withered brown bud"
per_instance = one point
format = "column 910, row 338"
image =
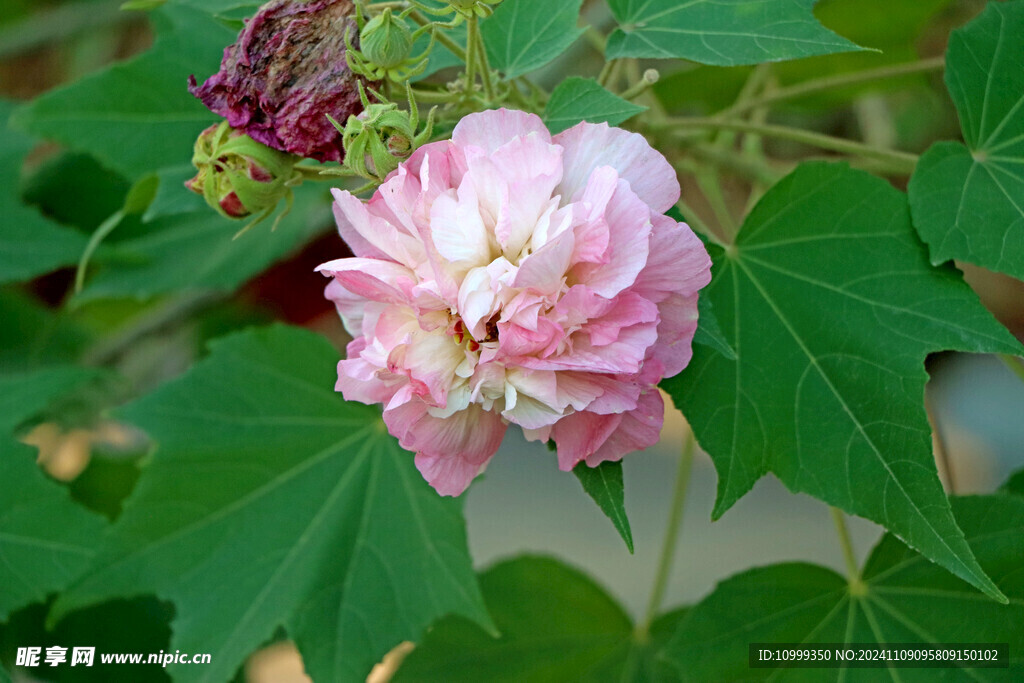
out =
column 284, row 74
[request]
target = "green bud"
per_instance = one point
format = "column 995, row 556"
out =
column 380, row 138
column 239, row 176
column 385, row 41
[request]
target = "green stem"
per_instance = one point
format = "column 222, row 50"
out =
column 668, row 546
column 831, row 82
column 540, row 95
column 900, row 163
column 472, row 28
column 1014, row 363
column 637, row 90
column 109, row 348
column 698, row 224
column 597, row 40
column 317, row 173
column 711, row 186
column 441, row 36
column 485, row 65
column 106, row 227
column 435, row 96
column 754, row 84
column 751, row 168
column 608, row 72
column 857, row 586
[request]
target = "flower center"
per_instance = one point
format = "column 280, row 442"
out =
column 457, row 330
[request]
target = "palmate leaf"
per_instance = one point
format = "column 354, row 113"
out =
column 23, row 394
column 33, row 336
column 721, row 32
column 968, row 201
column 906, row 599
column 556, row 624
column 272, row 502
column 30, row 244
column 828, row 299
column 137, row 116
column 527, row 34
column 196, row 250
column 709, row 332
column 45, row 539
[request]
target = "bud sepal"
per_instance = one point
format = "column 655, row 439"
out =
column 240, row 177
column 381, row 137
column 385, row 44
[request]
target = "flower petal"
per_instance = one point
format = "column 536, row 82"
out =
column 450, row 451
column 457, row 230
column 371, row 236
column 490, row 129
column 589, row 145
column 629, row 229
column 678, row 262
column 639, row 429
column 580, row 434
column 373, row 279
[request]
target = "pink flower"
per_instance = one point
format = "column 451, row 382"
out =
column 508, row 276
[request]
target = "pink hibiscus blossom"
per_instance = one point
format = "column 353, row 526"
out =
column 508, row 276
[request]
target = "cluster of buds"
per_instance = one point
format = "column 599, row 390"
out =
column 385, row 45
column 240, row 177
column 382, row 136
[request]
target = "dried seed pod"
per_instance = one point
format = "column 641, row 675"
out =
column 286, row 72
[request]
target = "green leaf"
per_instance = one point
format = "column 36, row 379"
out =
column 604, row 484
column 45, row 539
column 30, row 244
column 722, row 32
column 33, row 336
column 139, row 625
column 968, row 201
column 556, row 624
column 890, row 32
column 831, row 305
column 172, row 197
column 709, row 332
column 138, row 116
column 291, row 507
column 1015, row 484
column 905, row 598
column 151, row 260
column 23, row 394
column 582, row 99
column 75, row 189
column 527, row 34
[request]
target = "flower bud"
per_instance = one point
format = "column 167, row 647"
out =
column 284, row 74
column 380, row 138
column 385, row 41
column 237, row 175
